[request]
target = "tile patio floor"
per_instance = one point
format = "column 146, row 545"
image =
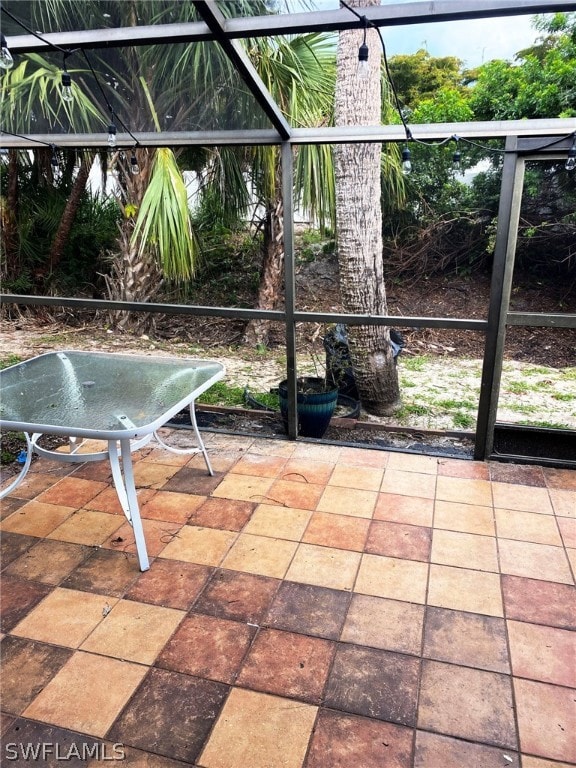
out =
column 310, row 605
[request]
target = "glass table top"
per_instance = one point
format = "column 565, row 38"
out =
column 99, row 394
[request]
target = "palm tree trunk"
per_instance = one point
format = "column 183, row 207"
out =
column 9, row 220
column 359, row 223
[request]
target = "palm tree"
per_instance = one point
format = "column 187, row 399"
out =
column 358, row 101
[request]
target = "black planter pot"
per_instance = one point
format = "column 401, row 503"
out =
column 314, row 404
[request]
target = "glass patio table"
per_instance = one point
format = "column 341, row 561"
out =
column 118, row 398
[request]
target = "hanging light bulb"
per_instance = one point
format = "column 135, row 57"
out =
column 66, row 83
column 55, row 165
column 406, row 163
column 6, row 60
column 111, row 135
column 134, row 167
column 363, row 68
column 571, row 159
column 457, row 160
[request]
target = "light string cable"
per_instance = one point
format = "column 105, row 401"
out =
column 66, row 53
column 454, row 137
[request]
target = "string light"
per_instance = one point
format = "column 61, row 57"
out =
column 66, row 91
column 134, row 167
column 457, row 156
column 6, row 60
column 571, row 159
column 406, row 161
column 363, row 68
column 112, row 134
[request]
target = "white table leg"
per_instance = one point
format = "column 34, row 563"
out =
column 199, row 438
column 24, row 471
column 126, row 490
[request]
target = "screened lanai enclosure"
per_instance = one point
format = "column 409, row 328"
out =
column 132, row 76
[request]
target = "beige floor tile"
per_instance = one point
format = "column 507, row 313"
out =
column 87, row 694
column 259, row 465
column 537, row 762
column 404, row 509
column 260, row 731
column 65, row 617
column 563, row 502
column 244, row 488
column 523, row 498
column 260, row 555
column 205, row 546
column 324, row 567
column 36, row 519
column 381, row 623
column 465, row 590
column 316, row 452
column 527, row 526
column 535, row 561
column 571, row 554
column 148, row 474
column 87, row 527
column 543, row 653
column 365, row 478
column 408, row 462
column 464, row 491
column 393, row 578
column 466, row 550
column 307, row 471
column 546, row 720
column 278, row 522
column 348, row 501
column 273, row 447
column 467, row 518
column 567, row 531
column 134, row 631
column 360, row 457
column 409, row 483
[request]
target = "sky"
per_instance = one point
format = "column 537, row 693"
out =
column 473, row 42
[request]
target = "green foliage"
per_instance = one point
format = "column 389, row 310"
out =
column 417, row 363
column 463, row 420
column 6, row 362
column 420, row 76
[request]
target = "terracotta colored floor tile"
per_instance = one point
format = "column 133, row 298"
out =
column 261, row 555
column 560, row 478
column 539, row 602
column 522, row 498
column 156, row 532
column 95, row 470
column 339, row 531
column 244, row 488
column 563, row 502
column 464, row 491
column 10, row 505
column 19, row 596
column 65, row 617
column 546, row 720
column 567, row 531
column 193, row 480
column 519, row 474
column 363, row 478
column 393, row 578
column 404, row 509
column 32, row 485
column 409, row 483
column 374, row 683
column 537, row 561
column 171, row 583
column 473, row 470
column 208, row 647
column 241, row 596
column 204, row 546
column 411, row 542
column 306, row 471
column 171, row 507
column 294, row 494
column 467, row 550
column 49, row 561
column 468, row 639
column 527, row 526
column 260, row 731
column 360, row 457
column 259, row 465
column 13, row 546
column 71, row 492
column 536, row 762
column 278, row 522
column 388, row 624
column 156, row 454
column 26, row 668
column 408, row 462
column 81, row 696
column 341, row 741
column 107, row 500
column 228, row 514
column 463, row 589
column 178, row 712
column 571, row 555
column 347, row 501
column 466, row 518
column 309, row 610
column 467, row 703
column 324, row 567
column 86, row 527
column 542, row 653
column 105, row 572
column 147, row 474
column 287, row 664
column 36, row 519
column 433, row 750
column 134, row 631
